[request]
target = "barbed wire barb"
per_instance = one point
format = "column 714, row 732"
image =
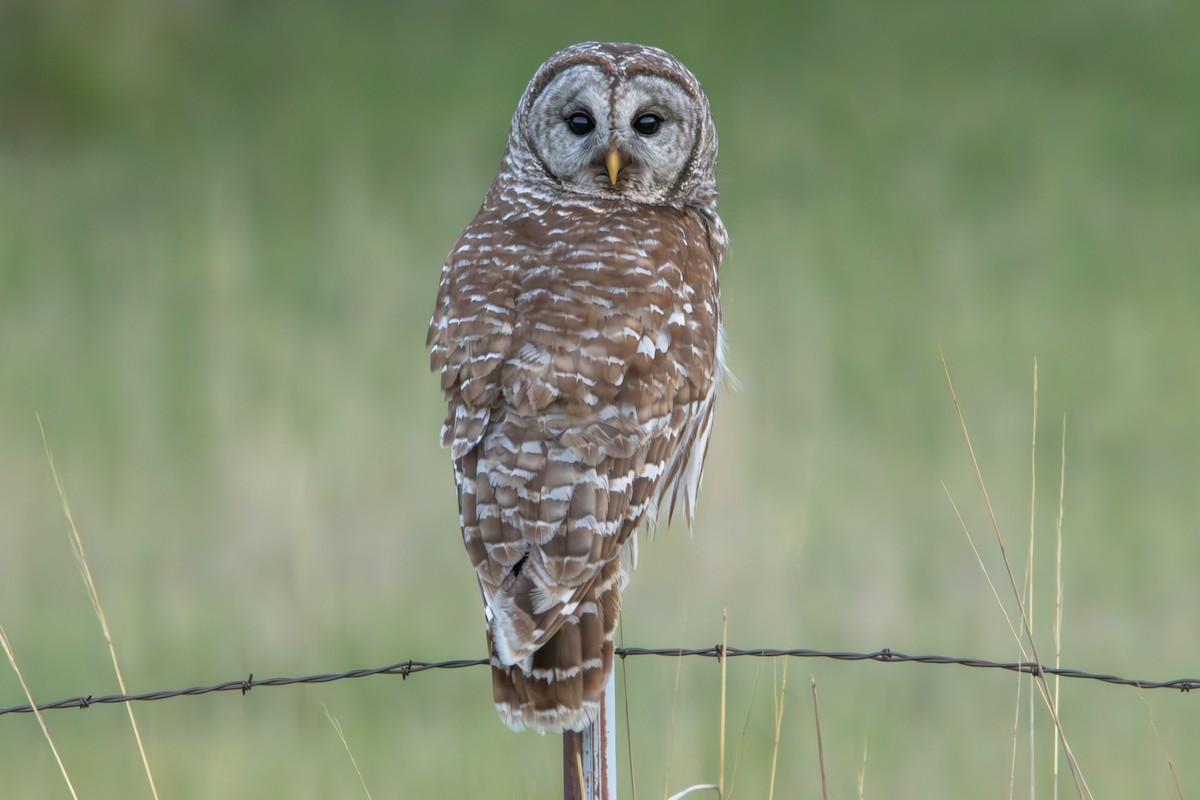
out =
column 406, row 668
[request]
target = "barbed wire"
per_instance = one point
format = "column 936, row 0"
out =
column 406, row 668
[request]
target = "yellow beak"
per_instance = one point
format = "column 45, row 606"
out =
column 613, row 163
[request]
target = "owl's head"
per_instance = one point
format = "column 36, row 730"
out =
column 616, row 121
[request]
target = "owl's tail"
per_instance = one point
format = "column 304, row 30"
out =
column 561, row 686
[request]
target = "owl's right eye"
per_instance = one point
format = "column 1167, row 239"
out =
column 580, row 123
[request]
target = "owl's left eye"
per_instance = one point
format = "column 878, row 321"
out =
column 580, row 123
column 647, row 124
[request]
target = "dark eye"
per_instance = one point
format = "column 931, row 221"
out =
column 580, row 123
column 647, row 124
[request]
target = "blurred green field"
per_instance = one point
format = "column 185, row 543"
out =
column 221, row 227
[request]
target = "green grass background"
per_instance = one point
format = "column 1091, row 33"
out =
column 221, row 226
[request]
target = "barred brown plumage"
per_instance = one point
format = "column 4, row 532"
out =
column 577, row 332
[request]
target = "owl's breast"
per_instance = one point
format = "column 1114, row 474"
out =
column 610, row 310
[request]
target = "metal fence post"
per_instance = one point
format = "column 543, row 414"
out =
column 590, row 756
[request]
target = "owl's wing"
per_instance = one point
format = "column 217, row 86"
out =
column 471, row 332
column 580, row 368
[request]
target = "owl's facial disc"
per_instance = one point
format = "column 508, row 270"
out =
column 629, row 137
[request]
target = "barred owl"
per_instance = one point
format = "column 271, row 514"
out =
column 577, row 333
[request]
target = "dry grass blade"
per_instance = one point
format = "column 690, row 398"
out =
column 979, row 558
column 1058, row 584
column 337, row 727
column 862, row 773
column 45, row 731
column 1029, row 582
column 991, row 512
column 737, row 753
column 1016, row 732
column 1163, row 746
column 724, row 665
column 671, row 727
column 820, row 744
column 86, row 572
column 1081, row 787
column 1012, row 769
column 780, row 694
column 628, row 727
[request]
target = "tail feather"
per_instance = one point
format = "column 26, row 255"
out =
column 561, row 685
